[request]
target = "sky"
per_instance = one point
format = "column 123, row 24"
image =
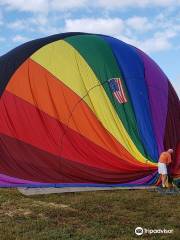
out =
column 151, row 25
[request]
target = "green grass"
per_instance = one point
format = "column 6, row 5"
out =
column 99, row 215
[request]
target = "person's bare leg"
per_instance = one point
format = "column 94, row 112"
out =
column 161, row 179
column 164, row 178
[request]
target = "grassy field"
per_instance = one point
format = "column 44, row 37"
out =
column 88, row 215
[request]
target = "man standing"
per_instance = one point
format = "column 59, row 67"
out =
column 164, row 161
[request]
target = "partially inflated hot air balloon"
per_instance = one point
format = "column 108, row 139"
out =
column 84, row 110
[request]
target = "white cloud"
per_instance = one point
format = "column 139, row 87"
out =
column 67, row 4
column 159, row 39
column 140, row 24
column 93, row 25
column 153, row 44
column 113, row 4
column 43, row 5
column 64, row 5
column 2, row 39
column 26, row 5
column 155, row 33
column 111, row 26
column 20, row 39
column 40, row 19
column 37, row 23
column 1, row 18
column 18, row 25
column 150, row 34
column 44, row 24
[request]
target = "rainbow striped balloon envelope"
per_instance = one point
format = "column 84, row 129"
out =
column 80, row 110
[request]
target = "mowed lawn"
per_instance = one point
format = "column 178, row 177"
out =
column 88, row 215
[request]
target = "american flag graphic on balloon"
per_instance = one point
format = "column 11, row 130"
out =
column 116, row 87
